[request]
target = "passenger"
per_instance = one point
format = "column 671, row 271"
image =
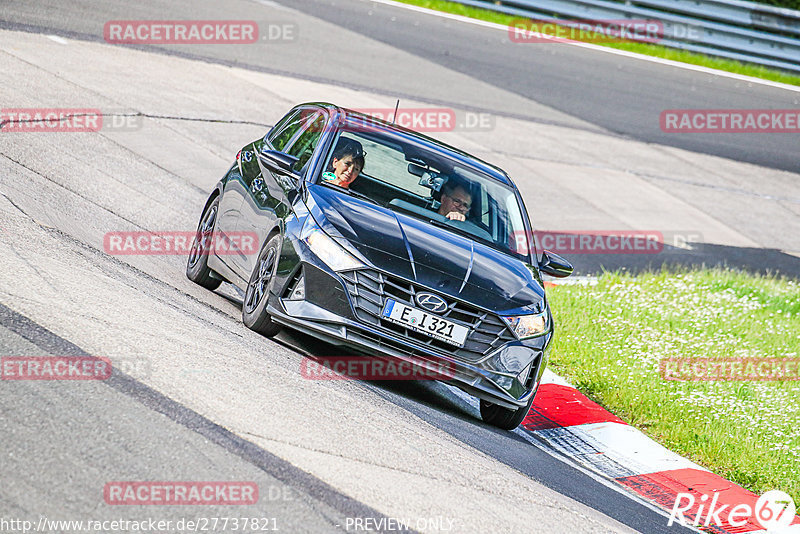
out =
column 346, row 163
column 456, row 201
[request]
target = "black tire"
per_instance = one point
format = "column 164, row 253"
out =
column 254, row 305
column 197, row 269
column 503, row 417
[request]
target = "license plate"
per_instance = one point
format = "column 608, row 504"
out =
column 425, row 323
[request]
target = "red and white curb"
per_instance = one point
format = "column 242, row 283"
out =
column 603, row 444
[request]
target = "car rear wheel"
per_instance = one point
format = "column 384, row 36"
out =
column 503, row 417
column 197, row 269
column 254, row 307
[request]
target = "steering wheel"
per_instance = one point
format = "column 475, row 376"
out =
column 468, row 226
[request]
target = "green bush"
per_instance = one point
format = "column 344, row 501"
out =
column 791, row 4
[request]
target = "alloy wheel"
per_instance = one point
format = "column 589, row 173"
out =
column 259, row 283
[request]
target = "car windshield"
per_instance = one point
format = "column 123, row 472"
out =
column 406, row 175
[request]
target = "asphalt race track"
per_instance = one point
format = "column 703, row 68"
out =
column 371, row 45
column 200, row 396
column 570, row 120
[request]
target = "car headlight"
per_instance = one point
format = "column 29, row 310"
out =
column 526, row 326
column 328, row 250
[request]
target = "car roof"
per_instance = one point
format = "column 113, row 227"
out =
column 356, row 118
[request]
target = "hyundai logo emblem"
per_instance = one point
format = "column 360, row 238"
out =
column 431, row 302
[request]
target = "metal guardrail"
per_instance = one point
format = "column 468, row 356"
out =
column 739, row 13
column 733, row 29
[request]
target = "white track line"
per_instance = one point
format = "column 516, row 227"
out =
column 662, row 61
column 58, row 39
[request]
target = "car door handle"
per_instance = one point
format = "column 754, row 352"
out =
column 257, row 185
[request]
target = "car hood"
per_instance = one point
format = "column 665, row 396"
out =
column 434, row 257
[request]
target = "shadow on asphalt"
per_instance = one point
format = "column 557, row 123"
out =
column 763, row 261
column 429, row 393
column 437, row 405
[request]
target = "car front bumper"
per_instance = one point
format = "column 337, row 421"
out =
column 327, row 313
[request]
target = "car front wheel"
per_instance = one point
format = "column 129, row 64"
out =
column 503, row 417
column 254, row 307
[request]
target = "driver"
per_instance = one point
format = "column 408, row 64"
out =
column 456, row 201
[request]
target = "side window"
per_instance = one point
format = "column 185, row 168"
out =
column 303, row 147
column 286, row 129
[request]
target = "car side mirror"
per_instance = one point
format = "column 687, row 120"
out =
column 554, row 265
column 278, row 162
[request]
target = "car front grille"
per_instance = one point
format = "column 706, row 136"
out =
column 369, row 290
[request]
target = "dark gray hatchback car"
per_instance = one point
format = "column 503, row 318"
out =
column 378, row 238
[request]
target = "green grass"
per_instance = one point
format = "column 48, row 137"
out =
column 648, row 49
column 611, row 336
